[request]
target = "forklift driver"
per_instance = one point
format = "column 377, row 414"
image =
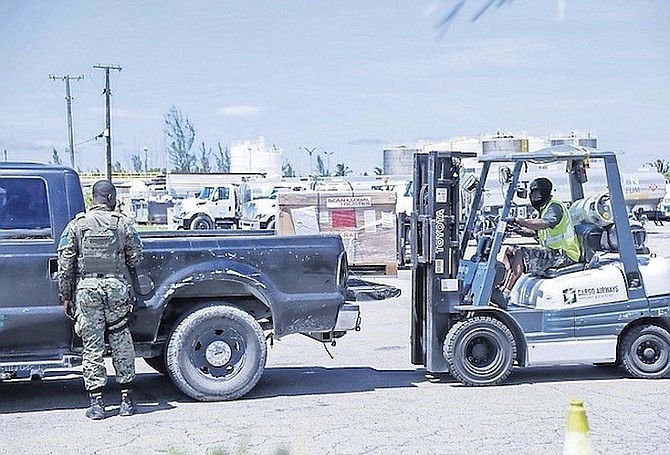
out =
column 559, row 246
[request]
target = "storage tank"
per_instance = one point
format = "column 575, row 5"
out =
column 255, row 157
column 504, row 144
column 587, row 140
column 399, row 160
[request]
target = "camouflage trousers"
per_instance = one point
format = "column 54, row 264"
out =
column 103, row 305
column 537, row 259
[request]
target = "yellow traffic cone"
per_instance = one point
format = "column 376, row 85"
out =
column 577, row 436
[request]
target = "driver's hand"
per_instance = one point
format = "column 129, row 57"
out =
column 514, row 228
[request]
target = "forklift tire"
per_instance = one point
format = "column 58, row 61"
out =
column 480, row 351
column 645, row 352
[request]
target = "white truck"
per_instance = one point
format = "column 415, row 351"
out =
column 215, row 207
column 258, row 201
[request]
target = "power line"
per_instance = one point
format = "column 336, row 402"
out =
column 68, row 101
column 108, row 118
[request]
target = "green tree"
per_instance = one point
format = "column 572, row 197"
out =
column 55, row 158
column 181, row 135
column 663, row 167
column 222, row 159
column 321, row 169
column 204, row 167
column 287, row 170
column 341, row 170
column 138, row 164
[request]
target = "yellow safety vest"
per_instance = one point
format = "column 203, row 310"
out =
column 562, row 236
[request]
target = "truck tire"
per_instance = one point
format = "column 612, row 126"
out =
column 480, row 351
column 216, row 353
column 201, row 222
column 157, row 363
column 645, row 352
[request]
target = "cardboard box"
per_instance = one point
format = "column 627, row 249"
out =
column 366, row 221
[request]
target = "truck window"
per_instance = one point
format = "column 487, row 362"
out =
column 205, row 193
column 24, row 209
column 222, row 193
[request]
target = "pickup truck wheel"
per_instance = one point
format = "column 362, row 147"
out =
column 201, row 222
column 645, row 352
column 157, row 363
column 216, row 353
column 480, row 351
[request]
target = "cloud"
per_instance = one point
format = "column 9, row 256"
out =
column 241, row 110
column 14, row 145
column 365, row 141
column 509, row 53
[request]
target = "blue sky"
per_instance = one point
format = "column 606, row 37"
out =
column 347, row 76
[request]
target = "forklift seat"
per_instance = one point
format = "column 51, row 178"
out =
column 589, row 236
column 595, row 239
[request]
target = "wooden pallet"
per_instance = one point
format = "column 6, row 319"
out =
column 389, row 269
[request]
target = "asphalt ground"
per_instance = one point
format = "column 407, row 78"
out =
column 367, row 399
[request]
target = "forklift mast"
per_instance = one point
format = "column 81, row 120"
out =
column 434, row 242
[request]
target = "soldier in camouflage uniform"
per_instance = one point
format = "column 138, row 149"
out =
column 95, row 250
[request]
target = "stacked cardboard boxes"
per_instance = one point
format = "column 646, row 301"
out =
column 365, row 220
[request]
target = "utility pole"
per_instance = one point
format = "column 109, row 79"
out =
column 68, row 101
column 146, row 161
column 108, row 117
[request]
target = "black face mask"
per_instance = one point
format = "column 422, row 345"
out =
column 537, row 199
column 540, row 193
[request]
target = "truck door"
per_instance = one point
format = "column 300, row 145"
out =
column 223, row 203
column 31, row 317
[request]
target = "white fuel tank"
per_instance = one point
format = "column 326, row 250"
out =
column 602, row 285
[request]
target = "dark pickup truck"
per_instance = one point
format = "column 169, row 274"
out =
column 206, row 302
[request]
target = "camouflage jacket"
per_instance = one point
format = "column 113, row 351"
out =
column 69, row 247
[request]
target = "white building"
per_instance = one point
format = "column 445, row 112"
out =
column 255, row 157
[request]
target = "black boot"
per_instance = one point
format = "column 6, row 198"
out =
column 499, row 297
column 97, row 409
column 127, row 406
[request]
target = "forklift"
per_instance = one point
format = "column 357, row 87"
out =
column 612, row 307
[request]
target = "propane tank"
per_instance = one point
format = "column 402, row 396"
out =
column 592, row 210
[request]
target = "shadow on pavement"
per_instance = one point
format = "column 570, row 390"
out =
column 549, row 374
column 293, row 381
column 155, row 392
column 151, row 392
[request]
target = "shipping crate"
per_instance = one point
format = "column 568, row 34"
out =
column 365, row 220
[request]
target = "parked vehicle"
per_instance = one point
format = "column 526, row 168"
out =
column 205, row 302
column 215, row 207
